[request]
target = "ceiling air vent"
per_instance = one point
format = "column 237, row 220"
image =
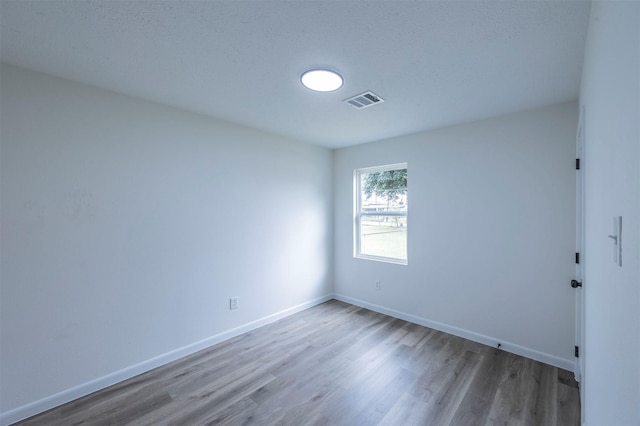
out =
column 364, row 100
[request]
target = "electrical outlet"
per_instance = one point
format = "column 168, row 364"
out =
column 378, row 285
column 233, row 303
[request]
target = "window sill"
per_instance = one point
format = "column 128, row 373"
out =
column 382, row 259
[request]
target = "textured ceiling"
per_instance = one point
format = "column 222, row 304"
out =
column 435, row 63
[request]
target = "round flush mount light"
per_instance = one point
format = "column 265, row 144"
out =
column 321, row 80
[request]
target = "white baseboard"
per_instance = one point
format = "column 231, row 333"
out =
column 566, row 364
column 84, row 389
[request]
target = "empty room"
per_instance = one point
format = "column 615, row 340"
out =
column 320, row 212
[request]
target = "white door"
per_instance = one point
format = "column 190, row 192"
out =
column 580, row 249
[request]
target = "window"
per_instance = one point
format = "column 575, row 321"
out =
column 381, row 213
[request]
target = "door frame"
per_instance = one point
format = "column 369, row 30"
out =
column 580, row 248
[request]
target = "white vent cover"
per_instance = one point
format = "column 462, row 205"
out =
column 364, row 100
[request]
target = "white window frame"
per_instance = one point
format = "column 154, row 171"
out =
column 359, row 214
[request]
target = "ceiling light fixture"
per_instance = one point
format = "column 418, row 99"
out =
column 321, row 80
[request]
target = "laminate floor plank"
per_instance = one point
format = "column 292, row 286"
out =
column 375, row 379
column 335, row 364
column 448, row 388
column 385, row 398
column 547, row 398
column 474, row 407
column 512, row 400
column 408, row 410
column 236, row 414
column 568, row 411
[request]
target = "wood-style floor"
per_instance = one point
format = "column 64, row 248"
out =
column 336, row 364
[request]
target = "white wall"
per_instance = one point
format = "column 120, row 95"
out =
column 491, row 231
column 610, row 93
column 127, row 225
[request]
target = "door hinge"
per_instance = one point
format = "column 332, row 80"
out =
column 577, row 257
column 576, row 351
column 577, row 164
